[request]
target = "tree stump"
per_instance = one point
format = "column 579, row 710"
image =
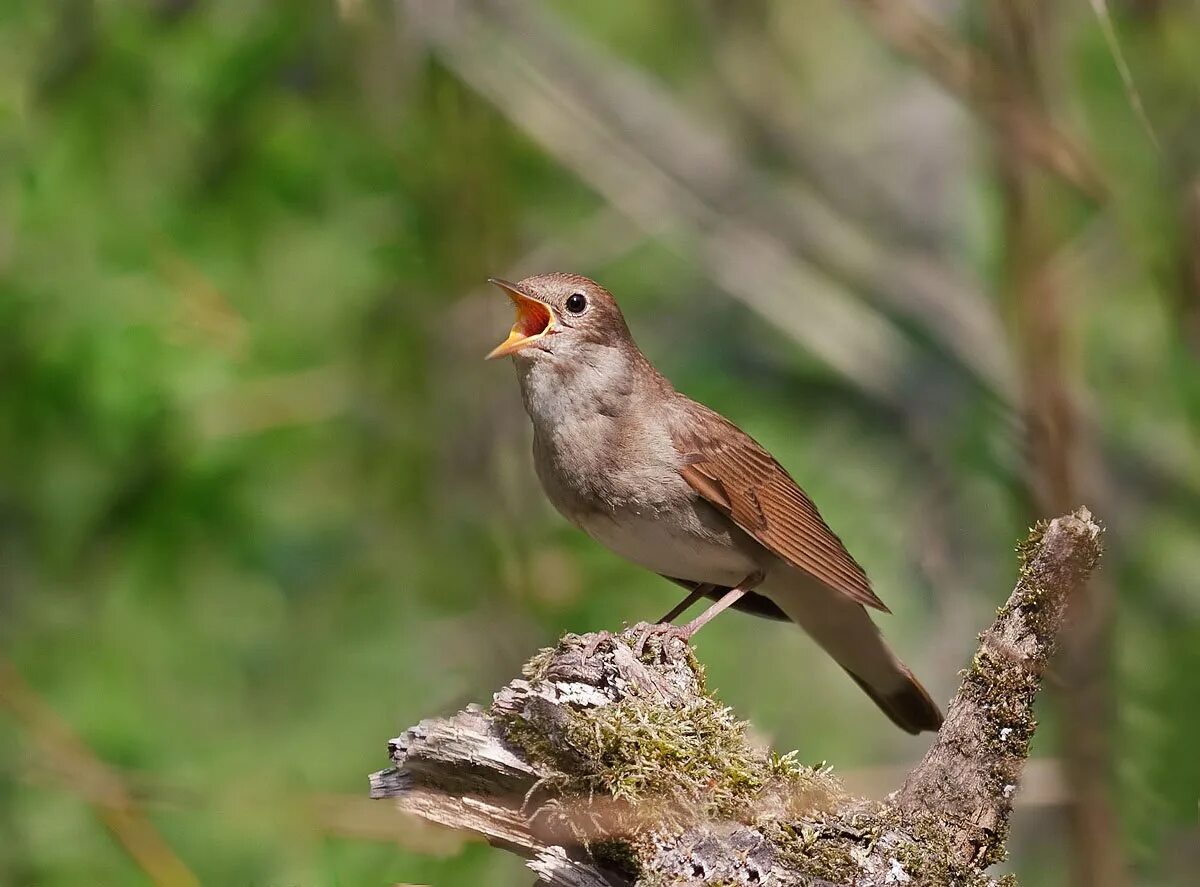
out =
column 605, row 768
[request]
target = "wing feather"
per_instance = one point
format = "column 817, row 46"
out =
column 733, row 473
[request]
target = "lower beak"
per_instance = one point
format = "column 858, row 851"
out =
column 534, row 320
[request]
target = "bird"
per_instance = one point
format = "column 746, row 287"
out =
column 676, row 488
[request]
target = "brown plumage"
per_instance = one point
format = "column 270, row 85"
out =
column 732, row 472
column 670, row 485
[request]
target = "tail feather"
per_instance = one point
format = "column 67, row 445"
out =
column 845, row 630
column 910, row 708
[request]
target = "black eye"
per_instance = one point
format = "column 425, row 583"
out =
column 576, row 302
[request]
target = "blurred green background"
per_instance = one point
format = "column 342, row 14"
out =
column 262, row 505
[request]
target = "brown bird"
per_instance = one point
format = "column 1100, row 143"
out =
column 669, row 484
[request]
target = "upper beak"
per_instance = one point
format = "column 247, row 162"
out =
column 534, row 320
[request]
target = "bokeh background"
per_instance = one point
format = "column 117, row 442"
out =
column 262, row 505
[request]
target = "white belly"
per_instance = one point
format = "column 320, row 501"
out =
column 696, row 553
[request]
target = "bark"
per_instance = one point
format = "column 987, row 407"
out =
column 606, row 767
column 991, row 721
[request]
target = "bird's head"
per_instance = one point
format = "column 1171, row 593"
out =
column 561, row 317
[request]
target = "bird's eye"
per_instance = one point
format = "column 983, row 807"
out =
column 576, row 302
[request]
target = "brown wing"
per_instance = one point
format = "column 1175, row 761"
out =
column 742, row 480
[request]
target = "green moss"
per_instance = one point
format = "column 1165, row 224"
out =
column 1006, row 694
column 688, row 762
column 1027, row 548
column 1002, row 689
column 640, row 764
column 827, row 848
column 617, row 856
column 929, row 858
column 647, row 769
column 535, row 669
column 812, row 850
column 1031, row 596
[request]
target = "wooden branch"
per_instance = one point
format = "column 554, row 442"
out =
column 973, row 768
column 605, row 768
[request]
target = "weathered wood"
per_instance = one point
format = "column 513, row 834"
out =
column 537, row 774
column 971, row 772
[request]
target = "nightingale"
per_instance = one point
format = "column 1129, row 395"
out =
column 676, row 488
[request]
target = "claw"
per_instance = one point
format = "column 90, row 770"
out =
column 598, row 637
column 665, row 629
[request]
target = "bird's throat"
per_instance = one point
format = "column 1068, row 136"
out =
column 573, row 391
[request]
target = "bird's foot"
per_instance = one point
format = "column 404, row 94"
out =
column 598, row 637
column 664, row 630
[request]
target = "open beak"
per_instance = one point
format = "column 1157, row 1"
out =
column 534, row 320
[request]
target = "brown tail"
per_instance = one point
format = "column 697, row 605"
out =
column 845, row 631
column 910, row 707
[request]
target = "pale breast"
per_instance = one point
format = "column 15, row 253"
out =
column 682, row 544
column 606, row 459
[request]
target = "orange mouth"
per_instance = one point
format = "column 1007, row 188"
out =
column 534, row 320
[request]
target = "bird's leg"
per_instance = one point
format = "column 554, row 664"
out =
column 727, row 600
column 685, row 632
column 698, row 592
column 664, row 624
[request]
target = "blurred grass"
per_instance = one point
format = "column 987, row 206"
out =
column 262, row 506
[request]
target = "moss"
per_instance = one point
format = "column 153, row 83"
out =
column 1032, row 596
column 617, row 856
column 646, row 769
column 689, row 762
column 665, row 767
column 1028, row 547
column 537, row 666
column 929, row 858
column 1003, row 690
column 834, row 849
column 1006, row 694
column 813, row 850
